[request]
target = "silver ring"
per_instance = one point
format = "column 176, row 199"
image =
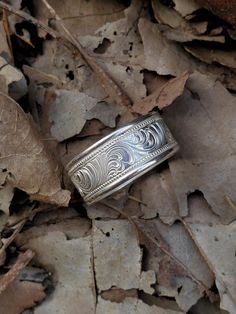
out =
column 121, row 157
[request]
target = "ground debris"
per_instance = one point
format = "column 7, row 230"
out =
column 79, row 70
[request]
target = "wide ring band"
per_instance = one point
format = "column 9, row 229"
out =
column 122, row 156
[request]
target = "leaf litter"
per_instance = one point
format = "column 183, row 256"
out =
column 165, row 244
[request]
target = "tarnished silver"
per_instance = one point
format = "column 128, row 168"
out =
column 121, row 157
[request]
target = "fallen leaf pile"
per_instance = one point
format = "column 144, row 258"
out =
column 72, row 72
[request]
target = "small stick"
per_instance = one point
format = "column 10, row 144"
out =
column 22, row 260
column 9, row 240
column 7, row 29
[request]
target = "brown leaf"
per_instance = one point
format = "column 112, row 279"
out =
column 74, row 227
column 164, row 96
column 203, row 121
column 176, row 27
column 82, row 18
column 109, row 86
column 188, row 34
column 132, row 306
column 172, row 59
column 70, row 260
column 125, row 48
column 186, row 7
column 20, row 295
column 115, row 239
column 14, row 79
column 3, row 85
column 24, row 157
column 6, row 195
column 211, row 56
column 168, row 254
column 216, row 242
column 165, row 205
column 118, row 295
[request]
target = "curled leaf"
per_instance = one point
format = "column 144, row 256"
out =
column 163, row 96
column 24, row 157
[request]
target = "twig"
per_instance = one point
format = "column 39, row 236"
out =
column 135, row 199
column 28, row 42
column 9, row 240
column 32, row 212
column 230, row 202
column 22, row 260
column 7, row 29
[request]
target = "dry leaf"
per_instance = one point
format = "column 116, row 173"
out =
column 122, row 56
column 178, row 275
column 129, row 78
column 217, row 244
column 67, row 113
column 38, row 77
column 82, row 18
column 6, row 195
column 100, row 210
column 189, row 34
column 186, row 7
column 106, row 113
column 71, row 263
column 204, row 305
column 167, row 51
column 109, row 86
column 3, row 85
column 224, row 57
column 124, row 45
column 118, row 295
column 153, row 81
column 157, row 197
column 20, row 295
column 15, row 80
column 63, row 62
column 206, row 160
column 131, row 306
column 24, row 158
column 172, row 59
column 175, row 27
column 71, row 227
column 163, row 96
column 105, row 209
column 113, row 241
column 165, row 15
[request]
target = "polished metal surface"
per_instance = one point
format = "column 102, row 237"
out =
column 121, row 157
